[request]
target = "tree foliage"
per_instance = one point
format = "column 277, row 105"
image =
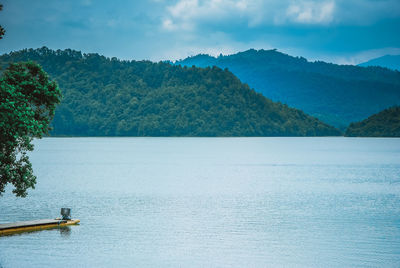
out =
column 2, row 30
column 384, row 124
column 27, row 105
column 109, row 97
column 336, row 94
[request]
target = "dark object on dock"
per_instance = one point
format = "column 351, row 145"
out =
column 66, row 213
column 35, row 225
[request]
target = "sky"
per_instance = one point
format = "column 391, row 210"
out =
column 339, row 31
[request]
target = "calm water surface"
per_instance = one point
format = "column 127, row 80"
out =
column 205, row 202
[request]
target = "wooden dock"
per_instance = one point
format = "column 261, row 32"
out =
column 35, row 225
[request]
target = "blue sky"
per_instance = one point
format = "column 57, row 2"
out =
column 341, row 31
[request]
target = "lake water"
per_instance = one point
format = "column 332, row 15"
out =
column 211, row 202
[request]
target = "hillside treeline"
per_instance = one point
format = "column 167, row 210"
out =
column 110, row 97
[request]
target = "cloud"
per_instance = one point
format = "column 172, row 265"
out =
column 191, row 14
column 187, row 14
column 310, row 12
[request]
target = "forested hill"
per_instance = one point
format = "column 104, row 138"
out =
column 107, row 97
column 336, row 94
column 388, row 61
column 383, row 124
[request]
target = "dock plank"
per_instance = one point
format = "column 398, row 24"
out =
column 21, row 224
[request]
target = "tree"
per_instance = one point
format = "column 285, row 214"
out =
column 2, row 31
column 27, row 104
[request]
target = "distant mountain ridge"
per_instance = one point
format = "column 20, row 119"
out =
column 336, row 94
column 387, row 61
column 109, row 97
column 383, row 124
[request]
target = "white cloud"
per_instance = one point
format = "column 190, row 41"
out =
column 311, row 12
column 186, row 14
column 189, row 14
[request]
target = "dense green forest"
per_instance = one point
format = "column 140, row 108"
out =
column 383, row 124
column 336, row 94
column 107, row 97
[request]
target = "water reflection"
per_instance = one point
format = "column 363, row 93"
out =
column 65, row 231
